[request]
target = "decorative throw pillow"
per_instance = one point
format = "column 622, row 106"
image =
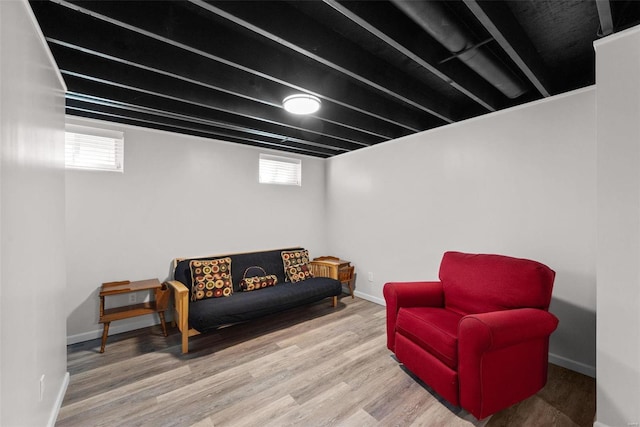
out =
column 292, row 259
column 258, row 282
column 210, row 278
column 298, row 273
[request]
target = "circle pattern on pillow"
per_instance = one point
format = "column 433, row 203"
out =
column 294, row 259
column 290, row 258
column 258, row 282
column 210, row 278
column 298, row 273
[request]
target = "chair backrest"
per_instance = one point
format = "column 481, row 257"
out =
column 480, row 283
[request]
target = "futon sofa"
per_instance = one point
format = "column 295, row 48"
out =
column 479, row 336
column 214, row 291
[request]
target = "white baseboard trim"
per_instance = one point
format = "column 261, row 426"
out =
column 599, row 424
column 116, row 328
column 58, row 403
column 580, row 367
column 368, row 297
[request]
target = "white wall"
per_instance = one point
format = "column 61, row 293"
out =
column 179, row 196
column 32, row 263
column 618, row 270
column 519, row 182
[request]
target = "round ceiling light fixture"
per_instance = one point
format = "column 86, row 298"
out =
column 301, row 103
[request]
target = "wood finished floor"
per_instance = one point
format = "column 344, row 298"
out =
column 311, row 366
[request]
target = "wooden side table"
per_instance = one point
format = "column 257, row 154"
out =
column 161, row 292
column 336, row 268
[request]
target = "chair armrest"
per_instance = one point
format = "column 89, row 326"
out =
column 409, row 294
column 502, row 357
column 490, row 331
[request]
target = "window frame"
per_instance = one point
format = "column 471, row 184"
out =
column 99, row 157
column 274, row 162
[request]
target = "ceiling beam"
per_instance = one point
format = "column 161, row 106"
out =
column 186, row 130
column 328, row 86
column 81, row 105
column 349, row 60
column 606, row 18
column 210, row 77
column 502, row 25
column 127, row 76
column 116, row 92
column 460, row 79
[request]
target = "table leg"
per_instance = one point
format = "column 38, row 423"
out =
column 164, row 325
column 105, row 332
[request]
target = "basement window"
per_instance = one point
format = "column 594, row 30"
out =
column 280, row 170
column 88, row 148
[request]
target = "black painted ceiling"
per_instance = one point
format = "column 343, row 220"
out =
column 383, row 69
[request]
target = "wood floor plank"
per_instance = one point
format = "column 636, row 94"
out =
column 362, row 394
column 361, row 418
column 315, row 366
column 245, row 400
column 365, row 349
column 260, row 414
column 190, row 408
column 125, row 392
column 203, row 423
column 398, row 401
column 314, row 411
column 320, row 333
column 120, row 374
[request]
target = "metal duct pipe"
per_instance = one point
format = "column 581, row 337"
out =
column 435, row 20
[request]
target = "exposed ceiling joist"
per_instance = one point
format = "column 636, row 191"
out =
column 606, row 18
column 383, row 69
column 118, row 75
column 303, row 78
column 106, row 109
column 349, row 62
column 145, row 98
column 145, row 59
column 458, row 79
column 503, row 27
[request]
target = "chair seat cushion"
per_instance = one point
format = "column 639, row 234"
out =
column 433, row 329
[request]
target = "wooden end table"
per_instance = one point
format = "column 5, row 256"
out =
column 159, row 306
column 338, row 269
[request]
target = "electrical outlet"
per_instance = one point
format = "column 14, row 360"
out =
column 132, row 298
column 370, row 276
column 41, row 394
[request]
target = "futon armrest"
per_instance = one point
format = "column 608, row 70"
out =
column 181, row 303
column 490, row 331
column 181, row 315
column 409, row 294
column 178, row 287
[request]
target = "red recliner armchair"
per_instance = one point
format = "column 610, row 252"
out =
column 479, row 337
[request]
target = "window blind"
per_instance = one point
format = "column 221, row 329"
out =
column 94, row 149
column 280, row 170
